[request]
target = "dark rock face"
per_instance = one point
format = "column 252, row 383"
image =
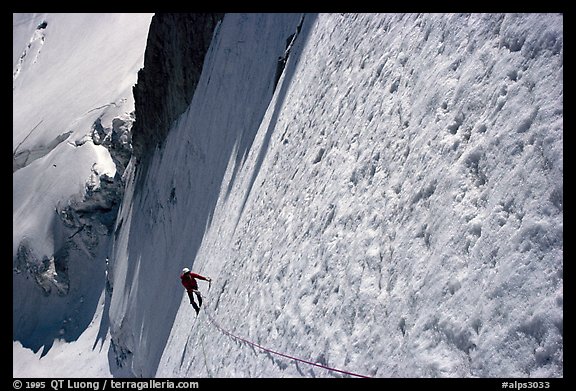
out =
column 175, row 50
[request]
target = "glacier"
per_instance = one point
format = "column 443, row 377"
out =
column 378, row 193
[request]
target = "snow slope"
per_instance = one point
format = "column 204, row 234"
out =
column 73, row 77
column 394, row 207
column 171, row 205
column 391, row 206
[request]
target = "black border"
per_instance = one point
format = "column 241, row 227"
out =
column 394, row 7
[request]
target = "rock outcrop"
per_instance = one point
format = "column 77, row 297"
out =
column 176, row 47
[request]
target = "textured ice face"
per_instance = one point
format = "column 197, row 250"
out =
column 390, row 204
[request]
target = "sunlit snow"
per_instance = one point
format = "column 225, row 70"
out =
column 392, row 207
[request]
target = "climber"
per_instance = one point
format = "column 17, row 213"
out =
column 189, row 281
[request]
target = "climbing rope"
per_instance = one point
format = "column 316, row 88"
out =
column 226, row 332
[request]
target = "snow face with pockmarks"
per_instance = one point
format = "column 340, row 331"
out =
column 396, row 212
column 393, row 207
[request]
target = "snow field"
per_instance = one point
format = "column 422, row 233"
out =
column 406, row 219
column 393, row 207
column 71, row 72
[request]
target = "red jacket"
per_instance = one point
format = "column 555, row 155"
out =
column 189, row 280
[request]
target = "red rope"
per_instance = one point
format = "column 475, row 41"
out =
column 278, row 353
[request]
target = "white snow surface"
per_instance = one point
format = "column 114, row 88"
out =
column 393, row 208
column 85, row 357
column 69, row 70
column 83, row 68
